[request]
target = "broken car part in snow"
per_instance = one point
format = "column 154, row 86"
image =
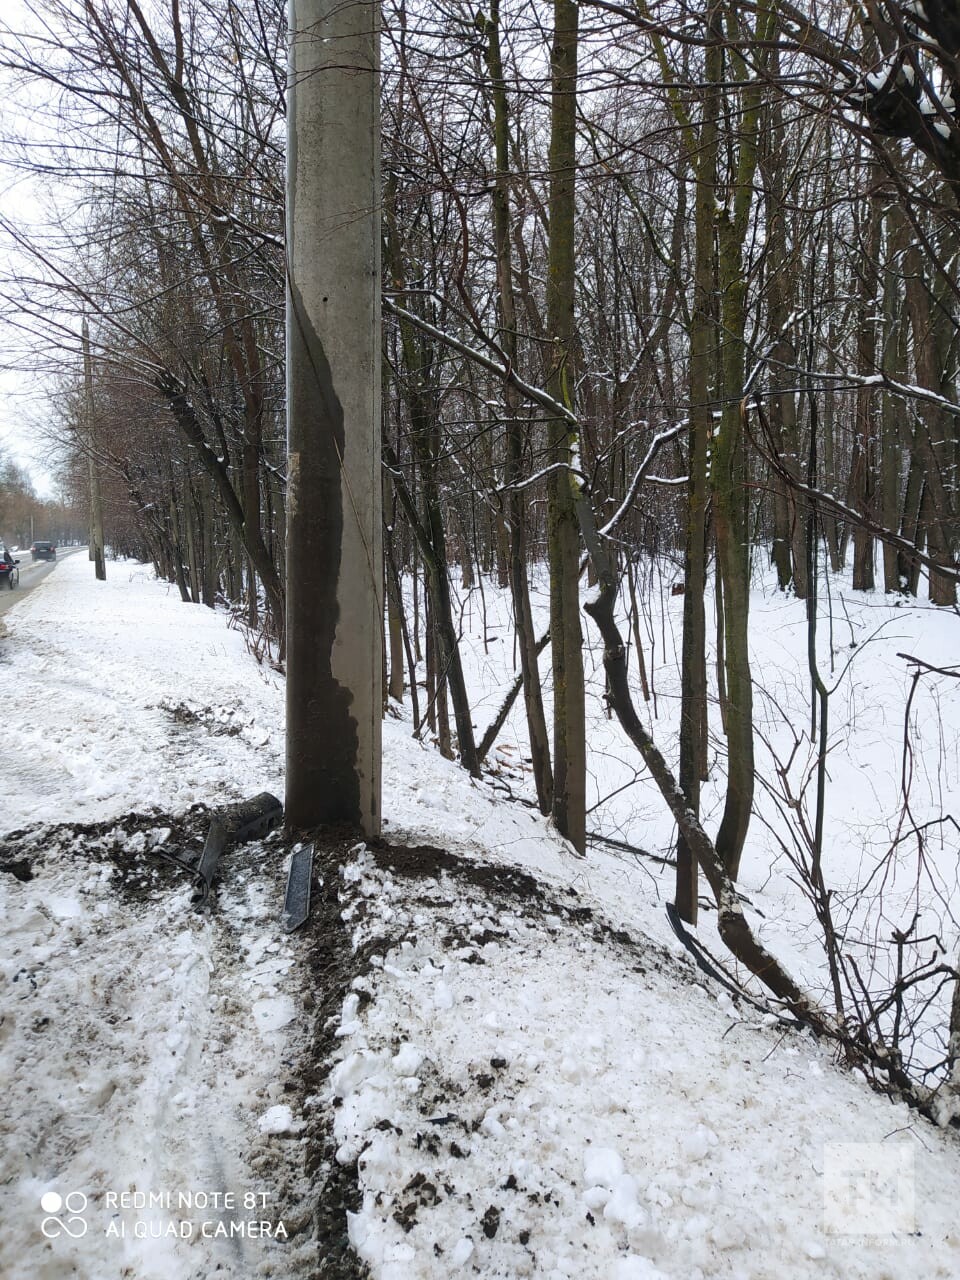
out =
column 233, row 824
column 296, row 902
column 236, row 824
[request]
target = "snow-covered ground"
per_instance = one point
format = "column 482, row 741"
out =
column 102, row 717
column 891, row 846
column 529, row 1075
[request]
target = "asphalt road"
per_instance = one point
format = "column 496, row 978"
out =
column 31, row 572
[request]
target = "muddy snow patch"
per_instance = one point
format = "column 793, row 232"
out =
column 557, row 1111
column 139, row 1122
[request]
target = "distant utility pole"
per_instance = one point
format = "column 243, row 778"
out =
column 334, row 569
column 96, row 504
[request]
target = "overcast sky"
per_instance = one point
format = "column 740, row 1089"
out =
column 24, row 397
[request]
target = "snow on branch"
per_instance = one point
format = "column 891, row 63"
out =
column 505, row 370
column 502, row 369
column 658, row 441
column 539, row 475
column 820, row 498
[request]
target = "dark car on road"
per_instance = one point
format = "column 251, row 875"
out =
column 44, row 551
column 9, row 573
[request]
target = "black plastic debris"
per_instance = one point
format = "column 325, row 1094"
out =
column 213, row 846
column 296, row 902
column 235, row 824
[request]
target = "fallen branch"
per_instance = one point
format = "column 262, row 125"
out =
column 500, row 719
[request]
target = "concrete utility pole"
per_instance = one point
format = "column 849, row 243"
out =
column 96, row 504
column 334, row 561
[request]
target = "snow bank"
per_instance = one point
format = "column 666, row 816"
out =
column 531, row 1079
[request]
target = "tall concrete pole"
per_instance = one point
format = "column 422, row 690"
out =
column 334, row 561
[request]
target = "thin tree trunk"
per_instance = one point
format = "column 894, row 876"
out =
column 394, row 603
column 789, row 550
column 908, row 566
column 703, row 354
column 440, row 625
column 729, row 471
column 210, row 570
column 895, row 365
column 569, row 729
column 932, row 432
column 516, row 503
column 193, row 561
column 96, row 501
column 863, row 476
column 177, row 542
column 831, row 525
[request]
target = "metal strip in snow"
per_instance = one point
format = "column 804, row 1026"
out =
column 296, row 903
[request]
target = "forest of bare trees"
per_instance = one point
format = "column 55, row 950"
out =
column 25, row 516
column 662, row 282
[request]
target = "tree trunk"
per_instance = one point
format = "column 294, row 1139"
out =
column 730, row 471
column 789, row 524
column 193, row 561
column 891, row 409
column 177, row 543
column 210, row 543
column 394, row 602
column 703, row 353
column 863, row 475
column 96, row 501
column 569, row 730
column 934, row 435
column 513, row 471
column 430, row 538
